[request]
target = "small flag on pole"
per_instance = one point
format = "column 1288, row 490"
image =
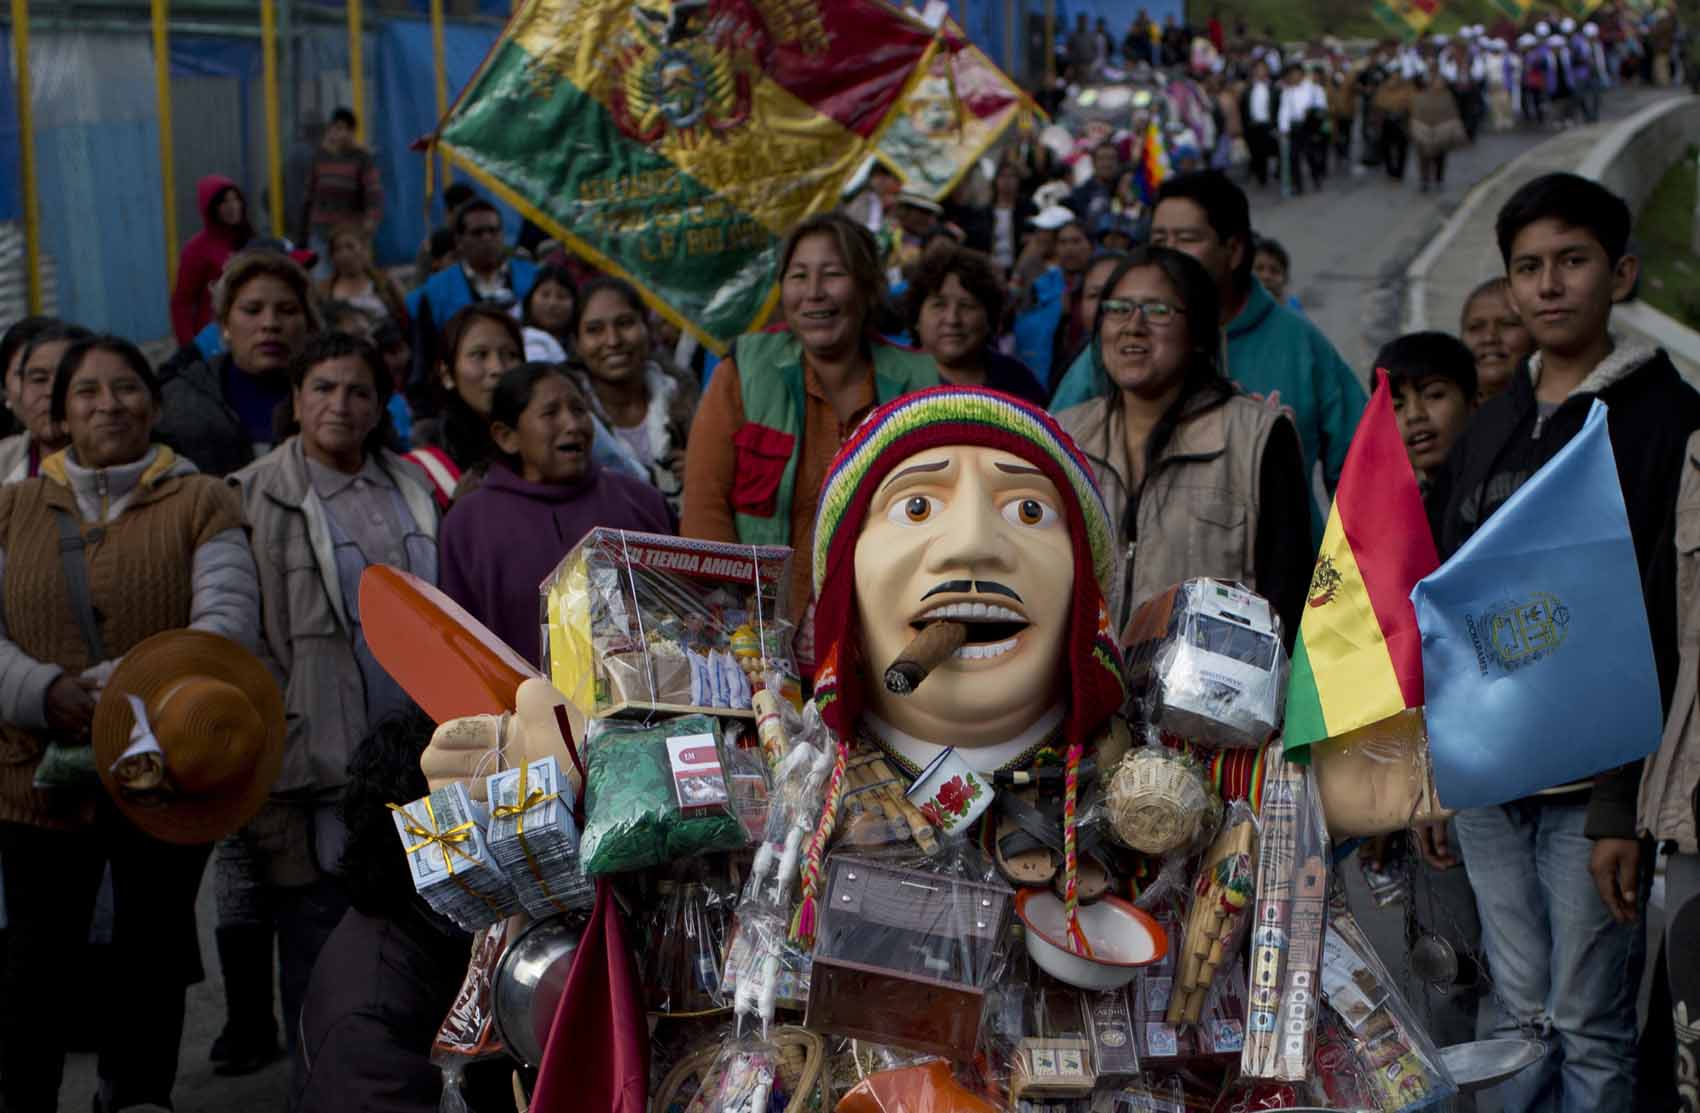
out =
column 1359, row 658
column 1154, row 168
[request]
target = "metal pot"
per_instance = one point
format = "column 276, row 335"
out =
column 529, row 982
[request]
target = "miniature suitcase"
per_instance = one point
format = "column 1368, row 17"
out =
column 904, row 956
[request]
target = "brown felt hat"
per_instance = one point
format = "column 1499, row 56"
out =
column 217, row 715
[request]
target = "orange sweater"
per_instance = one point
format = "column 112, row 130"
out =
column 711, row 462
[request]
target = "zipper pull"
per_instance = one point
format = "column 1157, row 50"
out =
column 1540, row 424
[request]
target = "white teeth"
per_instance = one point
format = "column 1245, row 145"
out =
column 991, row 612
column 985, row 652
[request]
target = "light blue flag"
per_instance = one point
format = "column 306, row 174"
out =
column 1537, row 665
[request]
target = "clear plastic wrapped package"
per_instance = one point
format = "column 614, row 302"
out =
column 1218, row 910
column 443, row 837
column 781, row 1072
column 685, row 947
column 1379, row 1056
column 1205, row 662
column 637, row 623
column 1377, row 779
column 905, row 956
column 534, row 839
column 928, row 1087
column 468, row 1033
column 655, row 794
column 1287, row 931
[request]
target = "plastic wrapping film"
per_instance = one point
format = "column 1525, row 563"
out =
column 1287, row 932
column 906, row 956
column 1377, row 779
column 655, row 794
column 534, row 840
column 1378, row 1055
column 444, row 841
column 927, row 1087
column 684, row 943
column 732, row 1074
column 468, row 1033
column 1205, row 663
column 637, row 623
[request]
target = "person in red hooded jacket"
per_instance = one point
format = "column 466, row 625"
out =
column 226, row 231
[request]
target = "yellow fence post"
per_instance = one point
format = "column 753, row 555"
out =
column 357, row 69
column 441, row 67
column 274, row 138
column 26, row 151
column 167, row 163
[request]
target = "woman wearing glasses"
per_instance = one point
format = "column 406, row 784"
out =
column 1204, row 481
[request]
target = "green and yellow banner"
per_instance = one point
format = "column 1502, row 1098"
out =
column 958, row 106
column 676, row 142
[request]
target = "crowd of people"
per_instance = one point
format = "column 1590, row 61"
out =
column 318, row 419
column 1293, row 113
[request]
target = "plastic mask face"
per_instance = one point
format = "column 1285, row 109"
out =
column 978, row 536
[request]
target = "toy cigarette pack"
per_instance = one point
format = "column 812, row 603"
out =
column 638, row 623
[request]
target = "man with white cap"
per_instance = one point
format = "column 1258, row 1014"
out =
column 1504, row 83
column 1464, row 69
column 1585, row 71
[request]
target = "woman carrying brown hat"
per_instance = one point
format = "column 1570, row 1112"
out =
column 118, row 539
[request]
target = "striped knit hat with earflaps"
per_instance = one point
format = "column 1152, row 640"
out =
column 1090, row 671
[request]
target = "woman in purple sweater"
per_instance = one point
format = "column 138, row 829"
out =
column 540, row 497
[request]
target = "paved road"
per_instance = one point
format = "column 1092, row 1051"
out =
column 1350, row 245
column 1352, row 241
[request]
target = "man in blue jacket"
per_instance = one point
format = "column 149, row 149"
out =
column 1273, row 352
column 484, row 274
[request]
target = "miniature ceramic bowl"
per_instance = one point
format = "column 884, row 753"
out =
column 950, row 794
column 1122, row 939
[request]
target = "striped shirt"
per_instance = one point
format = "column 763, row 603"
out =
column 343, row 188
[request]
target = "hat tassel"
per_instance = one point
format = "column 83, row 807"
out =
column 803, row 925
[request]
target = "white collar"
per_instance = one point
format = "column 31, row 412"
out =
column 981, row 759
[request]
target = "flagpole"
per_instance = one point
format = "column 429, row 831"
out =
column 26, row 152
column 357, row 68
column 274, row 130
column 440, row 68
column 167, row 163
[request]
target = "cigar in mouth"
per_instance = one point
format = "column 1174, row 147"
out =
column 930, row 649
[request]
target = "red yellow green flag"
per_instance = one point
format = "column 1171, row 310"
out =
column 1359, row 656
column 676, row 142
column 1405, row 17
column 951, row 115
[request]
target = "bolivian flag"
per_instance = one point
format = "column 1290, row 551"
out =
column 1405, row 16
column 1359, row 656
column 1154, row 167
column 676, row 142
column 960, row 106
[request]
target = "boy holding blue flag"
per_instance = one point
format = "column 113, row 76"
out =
column 1557, row 874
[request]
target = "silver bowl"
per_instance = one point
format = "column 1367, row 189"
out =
column 1483, row 1063
column 529, row 982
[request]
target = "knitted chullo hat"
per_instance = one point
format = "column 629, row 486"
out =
column 1090, row 670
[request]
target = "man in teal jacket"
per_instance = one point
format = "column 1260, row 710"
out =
column 1272, row 351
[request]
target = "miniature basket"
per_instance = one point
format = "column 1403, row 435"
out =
column 794, row 1044
column 1157, row 800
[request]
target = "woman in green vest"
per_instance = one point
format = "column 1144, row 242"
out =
column 780, row 405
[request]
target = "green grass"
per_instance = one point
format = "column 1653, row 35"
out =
column 1296, row 20
column 1664, row 234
